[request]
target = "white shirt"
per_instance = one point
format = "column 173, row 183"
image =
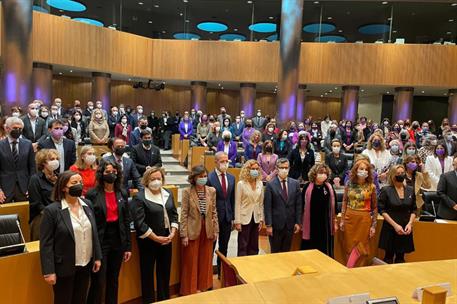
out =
column 33, row 123
column 82, row 229
column 220, row 178
column 59, row 147
column 10, row 140
column 287, row 186
column 226, row 147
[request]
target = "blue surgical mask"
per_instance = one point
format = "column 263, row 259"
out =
column 254, row 173
column 201, row 181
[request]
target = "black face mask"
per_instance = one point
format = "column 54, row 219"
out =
column 16, row 133
column 248, row 125
column 269, row 149
column 332, row 133
column 400, row 178
column 142, row 127
column 147, row 142
column 76, row 190
column 227, row 139
column 119, row 151
column 109, row 178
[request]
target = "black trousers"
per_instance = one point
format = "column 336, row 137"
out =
column 225, row 229
column 18, row 195
column 105, row 283
column 281, row 240
column 166, row 136
column 152, row 253
column 73, row 289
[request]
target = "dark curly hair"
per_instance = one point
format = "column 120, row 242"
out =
column 101, row 169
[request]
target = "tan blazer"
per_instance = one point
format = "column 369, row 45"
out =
column 422, row 182
column 191, row 219
column 248, row 203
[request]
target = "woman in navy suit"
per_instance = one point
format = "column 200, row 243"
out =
column 69, row 245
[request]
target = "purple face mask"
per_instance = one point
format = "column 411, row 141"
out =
column 411, row 166
column 57, row 133
column 440, row 152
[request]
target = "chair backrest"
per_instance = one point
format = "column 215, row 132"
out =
column 11, row 238
column 229, row 277
column 429, row 198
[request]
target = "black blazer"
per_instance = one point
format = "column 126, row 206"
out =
column 278, row 213
column 112, row 122
column 57, row 240
column 344, row 136
column 99, row 206
column 390, row 203
column 225, row 205
column 339, row 166
column 144, row 158
column 69, row 148
column 285, row 151
column 297, row 166
column 40, row 128
column 10, row 173
column 447, row 190
column 147, row 214
column 40, row 190
column 83, row 126
column 129, row 172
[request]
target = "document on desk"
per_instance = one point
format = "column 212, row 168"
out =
column 441, row 221
column 304, row 270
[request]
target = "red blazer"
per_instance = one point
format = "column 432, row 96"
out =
column 118, row 132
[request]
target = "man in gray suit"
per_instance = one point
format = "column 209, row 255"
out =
column 447, row 191
column 222, row 116
column 34, row 126
column 17, row 163
column 282, row 208
column 258, row 122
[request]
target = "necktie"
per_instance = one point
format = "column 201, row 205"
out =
column 224, row 185
column 14, row 150
column 284, row 190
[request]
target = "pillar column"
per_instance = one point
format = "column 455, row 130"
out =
column 248, row 92
column 403, row 103
column 289, row 50
column 350, row 103
column 42, row 82
column 301, row 100
column 101, row 89
column 198, row 91
column 16, row 53
column 452, row 109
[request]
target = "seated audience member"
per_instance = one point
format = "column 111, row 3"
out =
column 269, row 133
column 112, row 216
column 228, row 146
column 348, row 137
column 40, row 188
column 395, row 153
column 319, row 217
column 203, row 131
column 409, row 149
column 185, row 127
column 214, row 136
column 301, row 159
column 77, row 124
column 34, row 125
column 17, row 163
column 131, row 177
column 397, row 204
column 427, row 147
column 135, row 136
column 199, row 230
column 282, row 208
column 123, row 129
column 282, row 144
column 338, row 164
column 237, row 129
column 69, row 244
column 267, row 161
column 332, row 133
column 145, row 155
column 86, row 166
column 378, row 154
column 447, row 191
column 254, row 148
column 450, row 143
column 248, row 130
column 113, row 120
column 416, row 177
column 438, row 164
column 98, row 128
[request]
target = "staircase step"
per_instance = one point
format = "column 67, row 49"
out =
column 170, row 160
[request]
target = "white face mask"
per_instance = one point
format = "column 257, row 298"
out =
column 124, row 121
column 53, row 164
column 140, row 111
column 362, row 173
column 15, row 114
column 223, row 167
column 271, row 130
column 44, row 114
column 283, row 173
column 33, row 112
column 336, row 150
column 90, row 159
column 155, row 184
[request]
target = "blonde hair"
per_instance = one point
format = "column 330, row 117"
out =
column 245, row 170
column 393, row 172
column 147, row 175
column 43, row 156
column 95, row 112
column 80, row 162
column 381, row 138
column 254, row 134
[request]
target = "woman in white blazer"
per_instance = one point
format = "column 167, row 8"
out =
column 249, row 208
column 379, row 155
column 437, row 164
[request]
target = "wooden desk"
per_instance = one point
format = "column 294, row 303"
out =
column 175, row 145
column 235, row 172
column 23, row 211
column 209, row 162
column 195, row 156
column 282, row 265
column 183, row 150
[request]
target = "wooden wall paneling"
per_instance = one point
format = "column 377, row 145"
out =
column 266, row 102
column 71, row 88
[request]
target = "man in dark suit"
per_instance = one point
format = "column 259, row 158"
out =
column 60, row 110
column 113, row 119
column 136, row 116
column 129, row 171
column 17, row 163
column 145, row 154
column 447, row 190
column 56, row 140
column 282, row 208
column 34, row 126
column 166, row 124
column 225, row 201
column 450, row 142
column 258, row 122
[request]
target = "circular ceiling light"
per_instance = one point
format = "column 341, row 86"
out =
column 40, row 9
column 232, row 37
column 89, row 21
column 273, row 37
column 263, row 27
column 330, row 38
column 374, row 29
column 186, row 36
column 67, row 5
column 212, row 27
column 314, row 28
